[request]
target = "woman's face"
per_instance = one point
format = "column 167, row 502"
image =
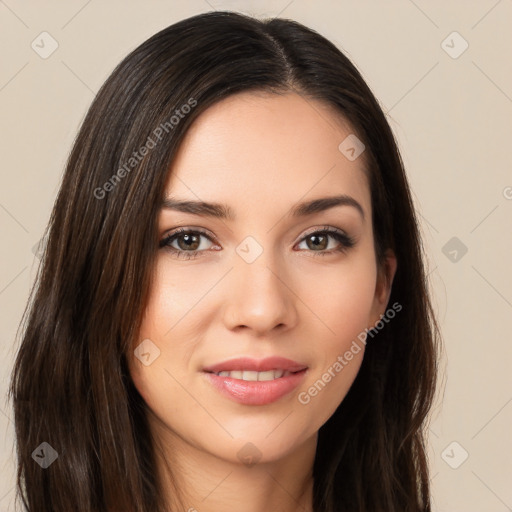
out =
column 265, row 280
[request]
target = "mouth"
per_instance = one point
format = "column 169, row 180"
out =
column 254, row 376
column 251, row 366
column 250, row 387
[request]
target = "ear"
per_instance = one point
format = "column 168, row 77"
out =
column 385, row 275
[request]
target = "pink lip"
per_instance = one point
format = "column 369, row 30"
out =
column 255, row 392
column 261, row 365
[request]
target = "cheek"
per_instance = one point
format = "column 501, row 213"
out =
column 177, row 298
column 341, row 301
column 166, row 323
column 160, row 387
column 340, row 297
column 348, row 307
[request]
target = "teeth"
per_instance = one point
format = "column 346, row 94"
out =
column 253, row 376
column 269, row 375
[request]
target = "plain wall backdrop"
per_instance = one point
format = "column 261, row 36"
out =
column 443, row 74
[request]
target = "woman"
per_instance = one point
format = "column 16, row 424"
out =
column 231, row 312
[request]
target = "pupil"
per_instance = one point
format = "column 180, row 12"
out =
column 189, row 239
column 315, row 239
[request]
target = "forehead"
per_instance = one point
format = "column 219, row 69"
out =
column 260, row 148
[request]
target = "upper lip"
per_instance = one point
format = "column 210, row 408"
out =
column 257, row 365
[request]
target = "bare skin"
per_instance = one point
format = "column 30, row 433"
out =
column 259, row 154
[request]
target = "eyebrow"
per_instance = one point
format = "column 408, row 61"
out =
column 221, row 211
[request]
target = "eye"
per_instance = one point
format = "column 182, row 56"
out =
column 318, row 241
column 188, row 241
column 190, row 245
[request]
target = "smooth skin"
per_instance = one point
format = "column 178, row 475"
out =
column 260, row 154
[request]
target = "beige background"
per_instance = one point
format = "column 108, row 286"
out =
column 453, row 120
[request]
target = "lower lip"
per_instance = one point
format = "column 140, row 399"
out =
column 256, row 392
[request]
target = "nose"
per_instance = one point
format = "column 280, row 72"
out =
column 260, row 297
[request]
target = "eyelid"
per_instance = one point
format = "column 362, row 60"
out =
column 186, row 229
column 323, row 229
column 211, row 236
column 347, row 241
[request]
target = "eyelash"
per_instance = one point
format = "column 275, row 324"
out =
column 346, row 242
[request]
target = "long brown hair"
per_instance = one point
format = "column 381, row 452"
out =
column 70, row 385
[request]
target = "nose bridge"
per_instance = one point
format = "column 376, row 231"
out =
column 260, row 296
